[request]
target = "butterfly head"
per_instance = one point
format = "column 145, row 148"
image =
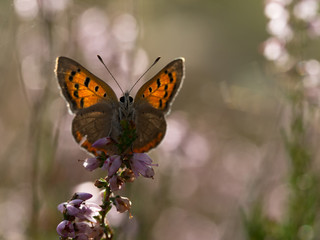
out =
column 126, row 105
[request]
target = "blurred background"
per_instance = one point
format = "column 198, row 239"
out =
column 223, row 151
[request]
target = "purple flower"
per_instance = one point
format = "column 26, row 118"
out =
column 79, row 230
column 141, row 163
column 72, row 210
column 66, row 229
column 80, row 209
column 84, row 224
column 82, row 195
column 112, row 164
column 115, row 182
column 102, row 142
column 75, row 202
column 61, row 206
column 91, row 164
column 88, row 211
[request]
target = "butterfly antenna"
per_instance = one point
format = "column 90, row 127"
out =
column 155, row 61
column 110, row 73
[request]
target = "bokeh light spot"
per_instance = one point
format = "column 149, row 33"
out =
column 306, row 9
column 176, row 131
column 27, row 9
column 125, row 28
column 272, row 49
column 92, row 28
column 274, row 10
column 312, row 67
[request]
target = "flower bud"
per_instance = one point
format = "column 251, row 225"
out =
column 112, row 164
column 91, row 164
column 141, row 163
column 122, row 204
column 82, row 195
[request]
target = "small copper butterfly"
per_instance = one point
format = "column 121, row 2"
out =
column 98, row 112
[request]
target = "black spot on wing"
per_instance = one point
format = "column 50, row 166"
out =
column 81, row 102
column 171, row 78
column 87, row 81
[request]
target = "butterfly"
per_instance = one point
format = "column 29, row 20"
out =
column 98, row 111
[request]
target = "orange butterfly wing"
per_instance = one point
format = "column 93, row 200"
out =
column 152, row 101
column 93, row 101
column 161, row 90
column 80, row 87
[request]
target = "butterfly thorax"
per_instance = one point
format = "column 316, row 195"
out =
column 126, row 110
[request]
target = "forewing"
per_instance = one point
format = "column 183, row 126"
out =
column 80, row 87
column 161, row 90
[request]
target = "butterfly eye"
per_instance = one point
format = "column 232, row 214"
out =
column 122, row 99
column 130, row 99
